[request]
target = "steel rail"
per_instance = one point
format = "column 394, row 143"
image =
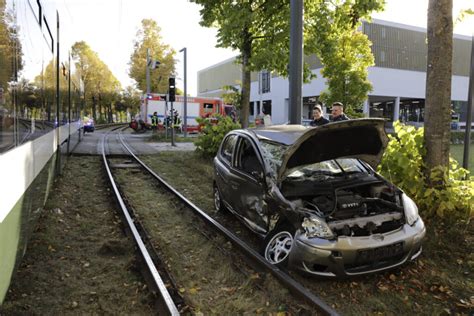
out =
column 164, row 294
column 283, row 277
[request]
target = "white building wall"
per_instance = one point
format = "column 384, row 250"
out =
column 386, row 82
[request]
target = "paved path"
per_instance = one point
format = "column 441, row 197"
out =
column 91, row 144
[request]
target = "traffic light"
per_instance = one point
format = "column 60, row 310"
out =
column 171, row 89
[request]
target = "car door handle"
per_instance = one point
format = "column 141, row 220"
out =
column 234, row 185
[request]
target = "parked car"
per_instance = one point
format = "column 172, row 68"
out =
column 313, row 196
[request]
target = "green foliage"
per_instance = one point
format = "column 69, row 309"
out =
column 100, row 85
column 403, row 165
column 148, row 37
column 212, row 133
column 343, row 50
column 232, row 96
column 260, row 29
column 131, row 99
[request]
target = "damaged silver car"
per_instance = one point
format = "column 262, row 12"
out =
column 313, row 196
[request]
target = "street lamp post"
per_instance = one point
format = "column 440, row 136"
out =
column 470, row 101
column 185, row 123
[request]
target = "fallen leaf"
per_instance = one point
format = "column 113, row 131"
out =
column 254, row 276
column 392, row 277
column 382, row 288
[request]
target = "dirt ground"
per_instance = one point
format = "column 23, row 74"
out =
column 78, row 260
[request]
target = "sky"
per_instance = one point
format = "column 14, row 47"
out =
column 110, row 26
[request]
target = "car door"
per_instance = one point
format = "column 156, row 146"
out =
column 248, row 185
column 222, row 166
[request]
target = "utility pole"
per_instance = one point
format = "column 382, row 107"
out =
column 296, row 60
column 470, row 97
column 147, row 71
column 185, row 122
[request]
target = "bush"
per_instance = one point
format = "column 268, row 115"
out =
column 403, row 164
column 213, row 131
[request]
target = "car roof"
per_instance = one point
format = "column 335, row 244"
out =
column 284, row 134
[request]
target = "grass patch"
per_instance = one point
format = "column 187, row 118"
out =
column 160, row 136
column 457, row 151
column 78, row 261
column 207, row 276
column 441, row 281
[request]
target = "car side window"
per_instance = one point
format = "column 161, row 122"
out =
column 247, row 160
column 228, row 147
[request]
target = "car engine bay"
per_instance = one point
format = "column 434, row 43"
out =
column 357, row 210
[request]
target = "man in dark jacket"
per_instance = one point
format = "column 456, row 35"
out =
column 318, row 118
column 337, row 112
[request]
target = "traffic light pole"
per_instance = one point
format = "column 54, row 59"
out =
column 171, row 94
column 185, row 111
column 172, row 125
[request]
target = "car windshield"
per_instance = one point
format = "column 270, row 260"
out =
column 326, row 170
column 272, row 153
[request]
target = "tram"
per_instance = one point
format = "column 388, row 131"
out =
column 40, row 110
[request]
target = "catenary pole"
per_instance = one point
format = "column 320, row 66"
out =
column 470, row 97
column 296, row 60
column 185, row 122
column 147, row 70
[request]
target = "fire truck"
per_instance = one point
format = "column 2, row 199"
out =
column 196, row 107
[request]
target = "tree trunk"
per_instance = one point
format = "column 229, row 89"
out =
column 438, row 84
column 245, row 103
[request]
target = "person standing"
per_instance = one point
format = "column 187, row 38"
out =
column 154, row 122
column 337, row 112
column 318, row 118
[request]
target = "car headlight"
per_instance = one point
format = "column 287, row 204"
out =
column 411, row 210
column 315, row 227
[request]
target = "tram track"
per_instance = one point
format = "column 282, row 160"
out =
column 251, row 270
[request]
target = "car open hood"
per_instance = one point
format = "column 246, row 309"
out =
column 364, row 139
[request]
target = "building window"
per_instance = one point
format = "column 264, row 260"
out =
column 382, row 56
column 267, row 107
column 383, row 32
column 265, row 78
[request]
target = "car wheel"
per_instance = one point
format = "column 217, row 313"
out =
column 218, row 204
column 278, row 245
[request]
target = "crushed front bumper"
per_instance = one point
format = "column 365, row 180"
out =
column 348, row 256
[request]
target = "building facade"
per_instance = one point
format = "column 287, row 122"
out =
column 398, row 78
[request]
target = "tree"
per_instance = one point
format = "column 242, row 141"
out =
column 260, row 30
column 344, row 50
column 148, row 37
column 438, row 85
column 251, row 27
column 131, row 99
column 98, row 80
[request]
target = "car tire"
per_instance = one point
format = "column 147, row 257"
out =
column 278, row 244
column 218, row 204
